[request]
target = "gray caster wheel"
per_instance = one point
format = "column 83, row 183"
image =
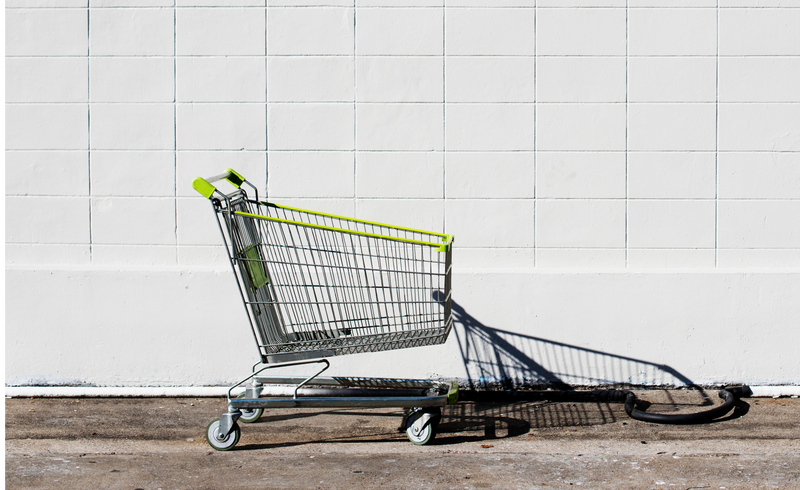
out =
column 229, row 442
column 250, row 415
column 425, row 434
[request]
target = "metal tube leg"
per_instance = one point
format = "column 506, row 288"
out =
column 254, row 390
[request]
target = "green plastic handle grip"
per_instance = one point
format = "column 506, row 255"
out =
column 206, row 188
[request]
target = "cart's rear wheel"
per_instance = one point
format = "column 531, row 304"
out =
column 249, row 415
column 423, row 435
column 222, row 444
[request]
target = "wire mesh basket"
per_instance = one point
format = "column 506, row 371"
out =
column 318, row 285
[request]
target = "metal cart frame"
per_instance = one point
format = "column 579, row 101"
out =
column 317, row 285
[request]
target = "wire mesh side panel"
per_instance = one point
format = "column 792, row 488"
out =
column 313, row 289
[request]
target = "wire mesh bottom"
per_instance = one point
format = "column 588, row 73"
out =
column 365, row 343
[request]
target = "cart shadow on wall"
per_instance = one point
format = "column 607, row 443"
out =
column 519, row 384
column 516, row 383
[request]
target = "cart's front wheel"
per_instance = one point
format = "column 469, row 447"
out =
column 421, row 434
column 224, row 443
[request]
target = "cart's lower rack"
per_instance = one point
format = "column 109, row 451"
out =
column 423, row 397
column 348, row 392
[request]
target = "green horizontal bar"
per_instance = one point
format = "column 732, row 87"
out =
column 445, row 238
column 439, row 247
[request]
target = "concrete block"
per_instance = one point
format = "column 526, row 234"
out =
column 47, row 80
column 221, row 3
column 312, row 30
column 133, row 221
column 392, row 3
column 578, row 79
column 672, row 31
column 672, row 79
column 495, row 223
column 46, row 3
column 132, row 79
column 671, row 259
column 580, row 258
column 399, row 175
column 581, row 31
column 28, row 255
column 47, row 127
column 580, row 175
column 310, row 126
column 252, row 165
column 134, row 255
column 672, row 126
column 135, row 174
column 46, row 32
column 311, row 174
column 339, row 207
column 399, row 31
column 495, row 258
column 592, row 223
column 672, row 175
column 310, row 78
column 132, row 32
column 759, row 175
column 671, row 224
column 399, row 127
column 588, row 126
column 489, row 126
column 757, row 3
column 673, row 3
column 483, row 3
column 132, row 126
column 581, row 3
column 757, row 79
column 220, row 31
column 489, row 79
column 420, row 214
column 220, row 79
column 47, row 173
column 221, row 126
column 131, row 3
column 759, row 31
column 399, row 79
column 56, row 220
column 759, row 224
column 196, row 256
column 488, row 31
column 503, row 175
column 197, row 222
column 770, row 127
column 754, row 258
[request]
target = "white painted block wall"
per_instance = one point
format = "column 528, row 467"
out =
column 622, row 178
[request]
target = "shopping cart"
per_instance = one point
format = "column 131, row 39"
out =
column 315, row 285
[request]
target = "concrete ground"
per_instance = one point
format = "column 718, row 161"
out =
column 151, row 443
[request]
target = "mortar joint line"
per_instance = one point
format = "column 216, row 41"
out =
column 89, row 123
column 716, row 150
column 175, row 121
column 266, row 99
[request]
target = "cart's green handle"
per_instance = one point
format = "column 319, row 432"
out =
column 205, row 187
